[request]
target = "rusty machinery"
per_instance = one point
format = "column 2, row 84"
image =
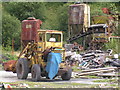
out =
column 102, row 28
column 95, row 35
column 36, row 47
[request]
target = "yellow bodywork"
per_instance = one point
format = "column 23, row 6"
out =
column 44, row 44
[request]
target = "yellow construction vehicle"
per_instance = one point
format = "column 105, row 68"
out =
column 43, row 54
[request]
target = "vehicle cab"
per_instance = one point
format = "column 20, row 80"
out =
column 50, row 38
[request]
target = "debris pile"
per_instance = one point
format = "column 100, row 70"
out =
column 97, row 71
column 114, row 61
column 92, row 59
column 102, row 72
column 94, row 62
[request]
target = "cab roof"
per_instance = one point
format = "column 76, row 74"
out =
column 50, row 31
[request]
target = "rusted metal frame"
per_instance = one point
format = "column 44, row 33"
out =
column 99, row 41
column 62, row 71
column 95, row 40
column 79, row 36
column 14, row 68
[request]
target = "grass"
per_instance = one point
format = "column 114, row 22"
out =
column 75, row 69
column 108, row 80
column 92, row 76
column 61, row 85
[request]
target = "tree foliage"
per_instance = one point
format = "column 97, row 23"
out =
column 23, row 10
column 53, row 14
column 11, row 28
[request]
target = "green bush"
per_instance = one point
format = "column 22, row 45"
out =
column 7, row 57
column 114, row 44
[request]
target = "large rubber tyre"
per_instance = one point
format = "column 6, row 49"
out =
column 36, row 72
column 67, row 75
column 22, row 68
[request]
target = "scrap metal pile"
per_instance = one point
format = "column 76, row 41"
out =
column 92, row 59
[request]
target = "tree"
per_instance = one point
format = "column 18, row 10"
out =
column 23, row 10
column 11, row 28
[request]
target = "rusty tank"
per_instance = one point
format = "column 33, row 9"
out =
column 79, row 19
